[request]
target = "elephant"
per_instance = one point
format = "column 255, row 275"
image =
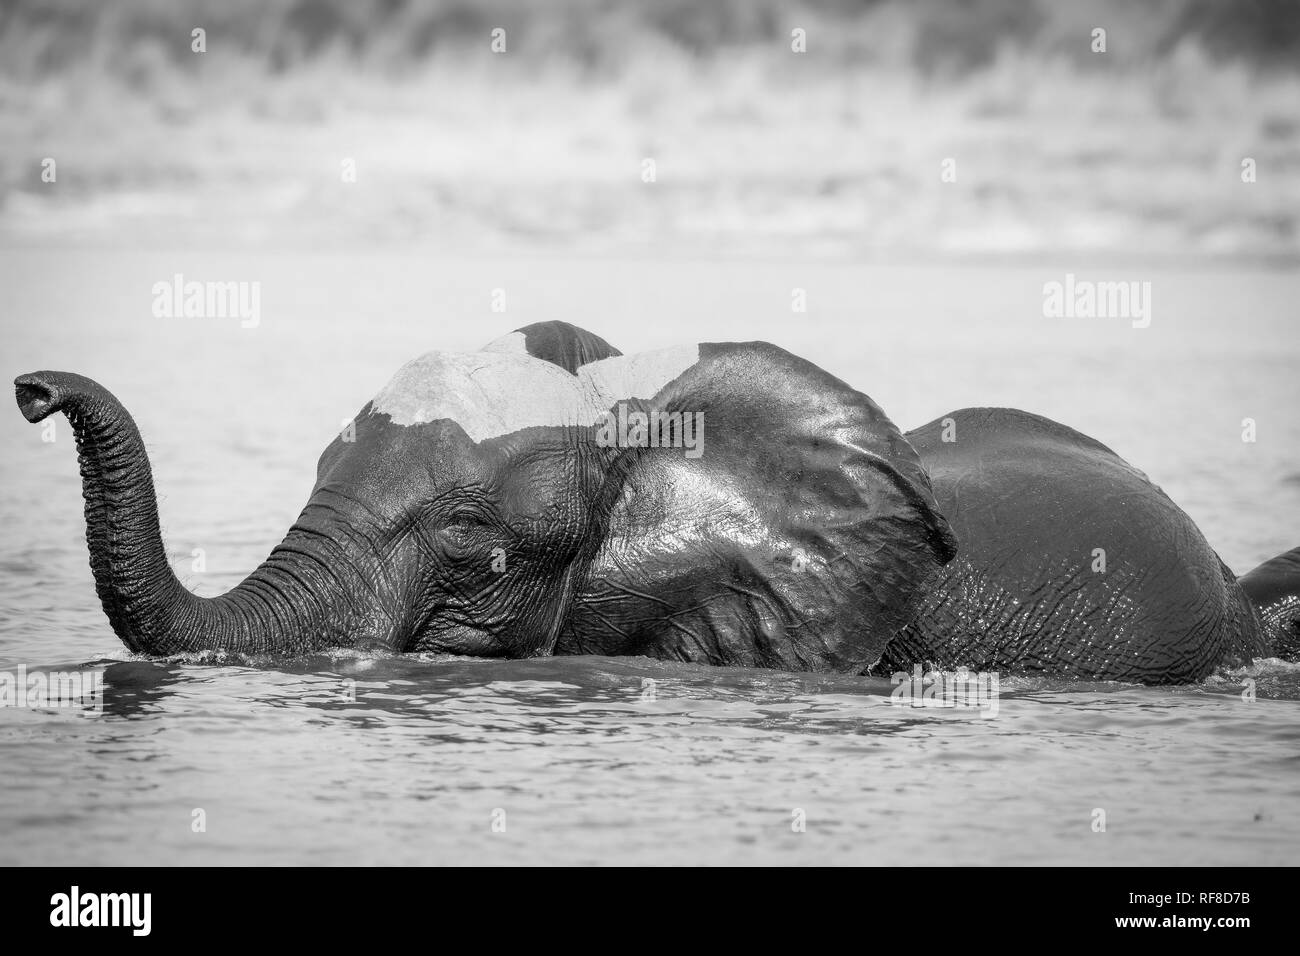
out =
column 718, row 503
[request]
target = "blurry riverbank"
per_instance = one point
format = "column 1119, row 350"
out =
column 756, row 149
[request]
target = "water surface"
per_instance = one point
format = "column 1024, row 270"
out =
column 380, row 759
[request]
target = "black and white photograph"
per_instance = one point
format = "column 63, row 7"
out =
column 651, row 433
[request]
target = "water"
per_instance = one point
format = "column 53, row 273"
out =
column 586, row 764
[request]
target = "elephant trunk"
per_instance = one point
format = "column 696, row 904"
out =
column 282, row 606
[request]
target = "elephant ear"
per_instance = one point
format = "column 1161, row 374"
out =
column 794, row 527
column 559, row 343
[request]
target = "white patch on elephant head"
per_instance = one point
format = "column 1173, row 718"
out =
column 515, row 343
column 494, row 393
column 643, row 375
column 487, row 394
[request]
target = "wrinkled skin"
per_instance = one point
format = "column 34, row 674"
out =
column 1072, row 562
column 477, row 510
column 1272, row 588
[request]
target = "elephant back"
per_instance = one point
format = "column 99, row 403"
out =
column 1072, row 561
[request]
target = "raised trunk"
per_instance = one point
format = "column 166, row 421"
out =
column 294, row 601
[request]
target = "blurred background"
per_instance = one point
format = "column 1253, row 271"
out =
column 835, row 151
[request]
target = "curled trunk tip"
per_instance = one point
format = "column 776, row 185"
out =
column 38, row 394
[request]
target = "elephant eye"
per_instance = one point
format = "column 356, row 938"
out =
column 465, row 521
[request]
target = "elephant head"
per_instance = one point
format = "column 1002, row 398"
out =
column 493, row 504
